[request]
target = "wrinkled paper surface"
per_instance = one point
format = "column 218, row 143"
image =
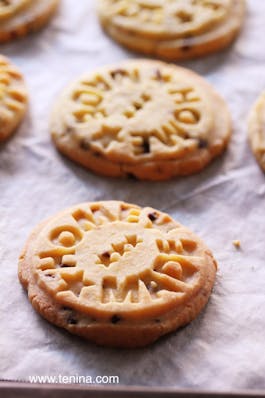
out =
column 222, row 349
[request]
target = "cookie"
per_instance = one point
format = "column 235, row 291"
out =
column 13, row 98
column 20, row 17
column 116, row 274
column 173, row 29
column 142, row 119
column 256, row 130
column 10, row 7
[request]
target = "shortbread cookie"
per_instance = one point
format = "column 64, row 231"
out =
column 8, row 8
column 144, row 119
column 173, row 29
column 13, row 98
column 257, row 130
column 116, row 274
column 20, row 17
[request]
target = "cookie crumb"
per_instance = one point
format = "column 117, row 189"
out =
column 237, row 244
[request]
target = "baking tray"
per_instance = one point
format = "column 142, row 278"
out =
column 20, row 390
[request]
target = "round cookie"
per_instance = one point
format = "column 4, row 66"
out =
column 256, row 130
column 173, row 29
column 9, row 7
column 13, row 98
column 142, row 119
column 20, row 17
column 116, row 274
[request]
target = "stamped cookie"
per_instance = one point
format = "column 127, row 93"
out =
column 116, row 274
column 20, row 17
column 143, row 119
column 256, row 130
column 173, row 29
column 13, row 98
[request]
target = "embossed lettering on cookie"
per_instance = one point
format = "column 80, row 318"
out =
column 116, row 274
column 142, row 119
column 13, row 98
column 20, row 17
column 173, row 29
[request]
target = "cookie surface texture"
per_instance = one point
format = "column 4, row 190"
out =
column 116, row 274
column 13, row 98
column 173, row 29
column 145, row 119
column 256, row 130
column 20, row 17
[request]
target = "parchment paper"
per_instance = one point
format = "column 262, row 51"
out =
column 225, row 347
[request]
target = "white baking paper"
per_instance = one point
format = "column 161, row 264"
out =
column 225, row 347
